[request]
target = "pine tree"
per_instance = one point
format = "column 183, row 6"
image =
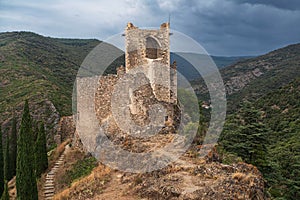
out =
column 13, row 144
column 5, row 195
column 26, row 178
column 7, row 172
column 1, row 164
column 246, row 136
column 41, row 158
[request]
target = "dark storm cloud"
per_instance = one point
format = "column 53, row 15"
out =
column 223, row 27
column 282, row 4
column 230, row 28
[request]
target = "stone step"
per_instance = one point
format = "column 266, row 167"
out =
column 49, row 188
column 49, row 182
column 49, row 185
column 49, row 191
column 49, row 195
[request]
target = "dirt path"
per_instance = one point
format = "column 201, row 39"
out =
column 116, row 190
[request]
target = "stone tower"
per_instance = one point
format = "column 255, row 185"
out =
column 150, row 51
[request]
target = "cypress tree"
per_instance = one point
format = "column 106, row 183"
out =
column 26, row 178
column 5, row 195
column 41, row 158
column 1, row 164
column 13, row 145
column 7, row 172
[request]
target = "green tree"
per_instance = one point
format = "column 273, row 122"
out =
column 41, row 158
column 245, row 136
column 26, row 178
column 7, row 168
column 5, row 194
column 1, row 164
column 13, row 145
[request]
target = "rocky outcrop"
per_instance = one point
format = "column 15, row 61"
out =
column 43, row 111
column 204, row 181
column 240, row 80
column 66, row 127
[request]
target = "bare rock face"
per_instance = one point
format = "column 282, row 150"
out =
column 43, row 111
column 66, row 127
column 202, row 181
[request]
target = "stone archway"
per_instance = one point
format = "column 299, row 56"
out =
column 152, row 48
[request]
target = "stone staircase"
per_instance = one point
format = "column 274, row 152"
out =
column 49, row 187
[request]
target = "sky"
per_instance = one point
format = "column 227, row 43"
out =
column 222, row 27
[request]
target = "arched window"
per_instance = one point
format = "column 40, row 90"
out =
column 152, row 48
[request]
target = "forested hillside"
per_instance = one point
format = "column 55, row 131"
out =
column 265, row 132
column 39, row 68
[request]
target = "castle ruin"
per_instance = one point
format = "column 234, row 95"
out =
column 150, row 49
column 147, row 79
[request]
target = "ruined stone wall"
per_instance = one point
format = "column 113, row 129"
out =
column 144, row 82
column 140, row 54
column 173, row 83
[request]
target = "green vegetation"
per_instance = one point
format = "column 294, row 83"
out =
column 13, row 146
column 246, row 136
column 26, row 179
column 41, row 158
column 266, row 133
column 39, row 68
column 5, row 195
column 1, row 164
column 198, row 117
column 7, row 168
column 80, row 169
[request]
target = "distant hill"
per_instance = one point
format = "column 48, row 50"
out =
column 41, row 69
column 255, row 77
column 189, row 71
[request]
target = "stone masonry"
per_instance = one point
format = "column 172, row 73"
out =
column 147, row 79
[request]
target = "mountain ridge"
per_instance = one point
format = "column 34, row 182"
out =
column 254, row 77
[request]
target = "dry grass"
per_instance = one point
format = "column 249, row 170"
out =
column 245, row 178
column 88, row 186
column 71, row 158
column 238, row 176
column 57, row 152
